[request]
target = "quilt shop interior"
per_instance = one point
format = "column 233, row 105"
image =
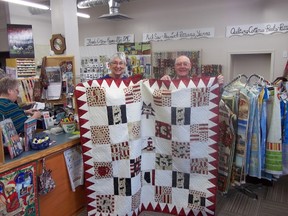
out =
column 74, row 142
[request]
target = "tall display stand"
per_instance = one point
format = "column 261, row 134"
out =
column 66, row 65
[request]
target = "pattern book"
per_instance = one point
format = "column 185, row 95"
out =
column 11, row 138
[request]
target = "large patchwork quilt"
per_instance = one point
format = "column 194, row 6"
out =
column 149, row 145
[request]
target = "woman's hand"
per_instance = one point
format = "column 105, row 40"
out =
column 30, row 111
column 166, row 77
column 36, row 114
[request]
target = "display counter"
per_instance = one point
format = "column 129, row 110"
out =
column 62, row 200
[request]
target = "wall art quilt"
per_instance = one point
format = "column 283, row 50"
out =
column 18, row 191
column 149, row 145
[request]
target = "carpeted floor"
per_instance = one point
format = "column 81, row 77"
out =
column 272, row 201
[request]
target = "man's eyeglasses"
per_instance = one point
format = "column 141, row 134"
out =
column 118, row 63
column 17, row 91
column 182, row 64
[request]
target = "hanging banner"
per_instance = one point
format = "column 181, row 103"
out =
column 20, row 39
column 255, row 29
column 108, row 40
column 179, row 34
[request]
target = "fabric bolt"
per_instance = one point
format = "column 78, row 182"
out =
column 150, row 145
column 274, row 137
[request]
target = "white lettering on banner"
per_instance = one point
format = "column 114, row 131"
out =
column 108, row 40
column 255, row 29
column 180, row 34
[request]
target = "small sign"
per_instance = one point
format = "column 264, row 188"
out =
column 108, row 40
column 179, row 34
column 256, row 29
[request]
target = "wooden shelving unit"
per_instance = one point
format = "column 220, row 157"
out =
column 23, row 67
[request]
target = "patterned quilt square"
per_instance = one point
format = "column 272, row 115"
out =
column 134, row 130
column 100, row 135
column 116, row 114
column 148, row 177
column 163, row 194
column 200, row 97
column 181, row 149
column 95, row 97
column 163, row 130
column 180, row 180
column 180, row 115
column 122, row 186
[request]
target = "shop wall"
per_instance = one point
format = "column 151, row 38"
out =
column 169, row 15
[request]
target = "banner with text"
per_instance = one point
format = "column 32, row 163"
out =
column 255, row 29
column 108, row 40
column 179, row 34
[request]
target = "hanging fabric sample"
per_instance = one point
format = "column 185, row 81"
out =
column 226, row 146
column 285, row 141
column 149, row 146
column 274, row 138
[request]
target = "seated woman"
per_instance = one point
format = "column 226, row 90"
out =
column 9, row 109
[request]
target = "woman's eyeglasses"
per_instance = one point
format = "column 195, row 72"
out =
column 118, row 63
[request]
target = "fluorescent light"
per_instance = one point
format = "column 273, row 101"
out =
column 29, row 4
column 83, row 15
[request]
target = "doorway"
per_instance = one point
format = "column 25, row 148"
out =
column 249, row 63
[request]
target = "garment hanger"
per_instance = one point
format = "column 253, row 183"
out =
column 260, row 82
column 238, row 78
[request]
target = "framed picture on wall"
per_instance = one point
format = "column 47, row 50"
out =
column 20, row 40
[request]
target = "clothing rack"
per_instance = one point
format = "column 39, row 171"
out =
column 247, row 187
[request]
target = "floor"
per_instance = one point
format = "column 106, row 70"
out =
column 271, row 200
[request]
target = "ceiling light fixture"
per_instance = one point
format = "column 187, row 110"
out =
column 28, row 4
column 83, row 15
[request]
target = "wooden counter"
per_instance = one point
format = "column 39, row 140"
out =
column 62, row 200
